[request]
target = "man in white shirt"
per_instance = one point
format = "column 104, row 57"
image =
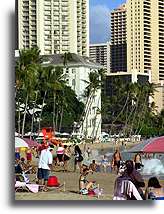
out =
column 45, row 165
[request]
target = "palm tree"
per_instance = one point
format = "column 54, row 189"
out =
column 26, row 75
column 45, row 83
column 57, row 82
column 94, row 84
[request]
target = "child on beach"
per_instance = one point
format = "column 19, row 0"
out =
column 84, row 184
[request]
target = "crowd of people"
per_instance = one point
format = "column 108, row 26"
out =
column 127, row 172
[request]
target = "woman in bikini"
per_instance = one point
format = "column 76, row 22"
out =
column 84, row 184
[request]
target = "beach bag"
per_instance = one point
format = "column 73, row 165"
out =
column 53, row 181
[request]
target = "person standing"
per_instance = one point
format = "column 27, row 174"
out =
column 60, row 152
column 66, row 157
column 116, row 161
column 44, row 167
column 78, row 157
column 88, row 152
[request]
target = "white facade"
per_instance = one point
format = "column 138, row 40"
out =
column 77, row 77
column 55, row 26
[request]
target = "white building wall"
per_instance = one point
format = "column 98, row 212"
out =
column 79, row 75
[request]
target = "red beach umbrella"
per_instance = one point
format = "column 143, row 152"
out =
column 31, row 143
column 153, row 145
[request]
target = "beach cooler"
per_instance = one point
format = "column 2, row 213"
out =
column 53, row 181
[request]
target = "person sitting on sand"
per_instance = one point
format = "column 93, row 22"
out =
column 133, row 175
column 105, row 163
column 84, row 184
column 29, row 156
column 18, row 167
column 154, row 190
column 93, row 166
column 129, row 174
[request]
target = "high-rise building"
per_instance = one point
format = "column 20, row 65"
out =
column 100, row 53
column 145, row 37
column 137, row 40
column 118, row 60
column 55, row 26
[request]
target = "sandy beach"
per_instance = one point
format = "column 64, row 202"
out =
column 71, row 180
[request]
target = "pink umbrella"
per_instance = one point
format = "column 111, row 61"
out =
column 154, row 145
column 31, row 143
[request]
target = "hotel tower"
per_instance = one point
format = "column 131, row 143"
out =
column 55, row 26
column 145, row 37
column 137, row 43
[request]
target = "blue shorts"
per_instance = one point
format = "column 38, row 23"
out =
column 43, row 174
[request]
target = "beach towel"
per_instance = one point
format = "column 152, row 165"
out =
column 32, row 187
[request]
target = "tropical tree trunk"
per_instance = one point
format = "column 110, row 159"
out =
column 61, row 118
column 24, row 116
column 19, row 119
column 125, row 104
column 134, row 115
column 141, row 116
column 95, row 118
column 40, row 116
column 82, row 119
column 87, row 113
column 56, row 123
column 54, row 108
column 32, row 122
column 99, row 124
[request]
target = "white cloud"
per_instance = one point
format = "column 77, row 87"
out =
column 99, row 23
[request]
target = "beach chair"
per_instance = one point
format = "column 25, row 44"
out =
column 26, row 187
column 22, row 183
column 124, row 189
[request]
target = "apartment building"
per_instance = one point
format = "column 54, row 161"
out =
column 118, row 59
column 145, row 37
column 100, row 53
column 137, row 41
column 55, row 26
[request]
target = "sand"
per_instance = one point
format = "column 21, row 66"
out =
column 70, row 192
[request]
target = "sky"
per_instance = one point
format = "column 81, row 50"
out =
column 99, row 19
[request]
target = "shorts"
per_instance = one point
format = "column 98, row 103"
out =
column 60, row 157
column 43, row 174
column 117, row 163
column 78, row 159
column 66, row 158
